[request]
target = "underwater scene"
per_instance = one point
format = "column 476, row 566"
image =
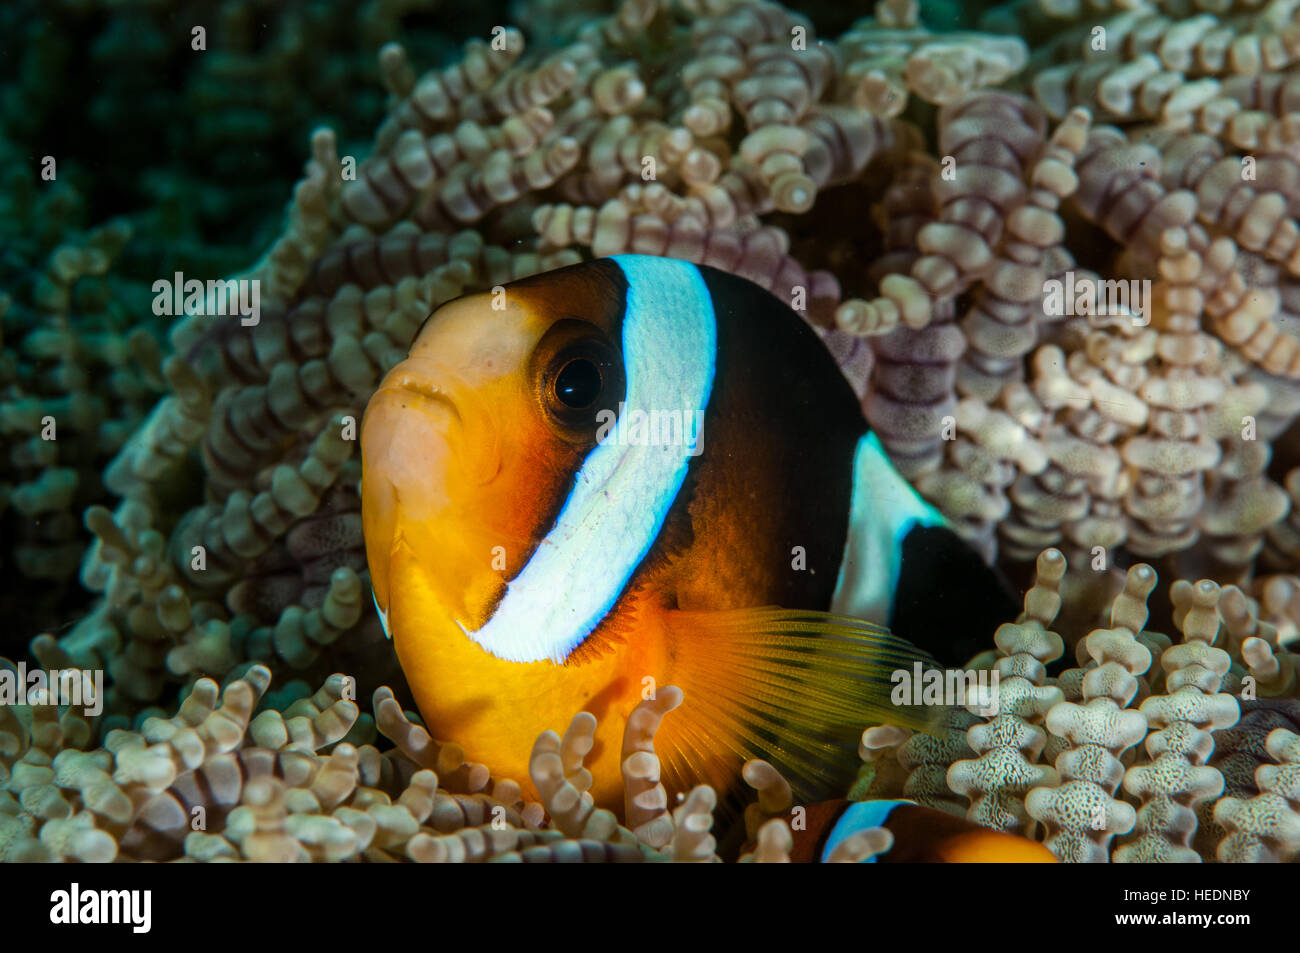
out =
column 695, row 431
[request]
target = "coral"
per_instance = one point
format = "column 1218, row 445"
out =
column 1082, row 814
column 1177, row 777
column 216, row 782
column 78, row 375
column 1010, row 741
column 1170, row 162
column 914, row 765
column 259, row 81
column 1266, row 827
column 508, row 163
column 1196, row 750
column 916, row 194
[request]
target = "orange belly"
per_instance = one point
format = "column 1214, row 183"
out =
column 496, row 708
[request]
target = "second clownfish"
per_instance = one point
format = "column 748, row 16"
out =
column 921, row 835
column 642, row 472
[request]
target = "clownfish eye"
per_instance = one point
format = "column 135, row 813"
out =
column 578, row 383
column 577, row 375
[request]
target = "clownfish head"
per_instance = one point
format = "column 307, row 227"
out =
column 470, row 445
column 501, row 526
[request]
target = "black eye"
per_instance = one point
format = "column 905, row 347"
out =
column 578, row 383
column 577, row 376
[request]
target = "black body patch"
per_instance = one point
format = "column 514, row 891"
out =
column 948, row 601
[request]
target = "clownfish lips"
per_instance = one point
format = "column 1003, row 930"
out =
column 420, row 395
column 407, row 452
column 428, row 446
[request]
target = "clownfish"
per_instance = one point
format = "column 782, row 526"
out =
column 922, row 835
column 635, row 472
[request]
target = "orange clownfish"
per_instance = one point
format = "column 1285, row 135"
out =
column 635, row 472
column 922, row 835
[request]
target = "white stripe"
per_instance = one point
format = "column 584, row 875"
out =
column 623, row 491
column 883, row 512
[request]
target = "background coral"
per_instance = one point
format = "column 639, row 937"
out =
column 166, row 158
column 1194, row 742
column 910, row 191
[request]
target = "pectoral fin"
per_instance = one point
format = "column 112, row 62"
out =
column 794, row 687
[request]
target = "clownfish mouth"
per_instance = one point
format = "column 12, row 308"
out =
column 406, row 450
column 422, row 403
column 425, row 394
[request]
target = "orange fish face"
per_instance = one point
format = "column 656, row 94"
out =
column 469, row 449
